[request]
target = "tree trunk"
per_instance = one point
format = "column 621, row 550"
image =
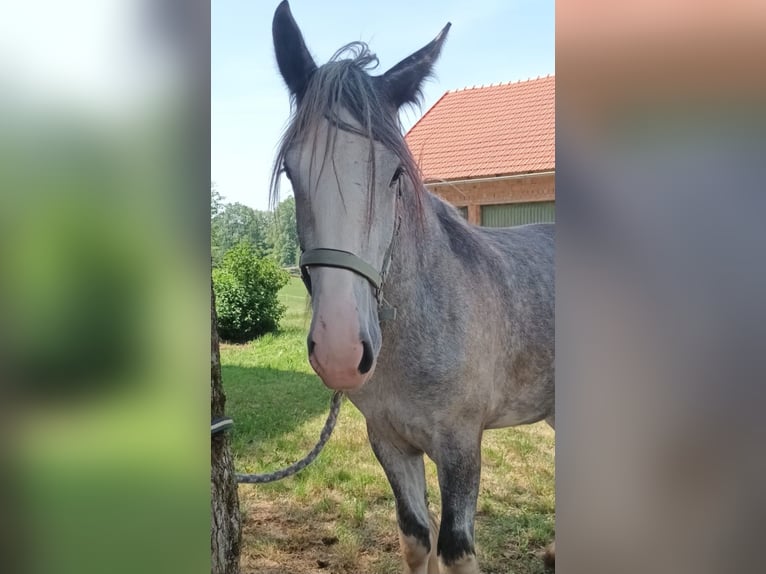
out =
column 225, row 533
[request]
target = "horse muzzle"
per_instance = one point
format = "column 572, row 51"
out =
column 340, row 349
column 342, row 366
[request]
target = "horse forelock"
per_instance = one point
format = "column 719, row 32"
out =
column 343, row 83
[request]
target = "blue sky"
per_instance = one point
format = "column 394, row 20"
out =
column 491, row 41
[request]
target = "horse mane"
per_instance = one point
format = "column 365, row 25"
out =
column 344, row 82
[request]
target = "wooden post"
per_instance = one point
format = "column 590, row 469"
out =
column 474, row 213
column 225, row 531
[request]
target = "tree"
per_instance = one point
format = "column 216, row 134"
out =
column 225, row 527
column 216, row 231
column 284, row 234
column 246, row 287
column 235, row 223
column 216, row 201
column 270, row 233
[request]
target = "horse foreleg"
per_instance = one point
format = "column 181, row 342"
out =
column 406, row 474
column 459, row 469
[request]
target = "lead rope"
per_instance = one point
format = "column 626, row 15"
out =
column 324, row 436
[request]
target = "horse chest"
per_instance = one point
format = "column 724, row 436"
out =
column 403, row 417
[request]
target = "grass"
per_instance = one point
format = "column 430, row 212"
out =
column 338, row 514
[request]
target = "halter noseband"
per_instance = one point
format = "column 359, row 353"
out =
column 337, row 258
column 341, row 259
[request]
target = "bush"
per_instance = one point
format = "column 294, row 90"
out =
column 246, row 288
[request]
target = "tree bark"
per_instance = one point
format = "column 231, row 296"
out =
column 225, row 531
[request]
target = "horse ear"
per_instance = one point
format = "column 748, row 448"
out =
column 293, row 58
column 403, row 82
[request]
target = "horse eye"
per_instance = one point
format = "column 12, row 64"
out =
column 397, row 174
column 286, row 172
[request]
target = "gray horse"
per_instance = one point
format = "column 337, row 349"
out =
column 434, row 328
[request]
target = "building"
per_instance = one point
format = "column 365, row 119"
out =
column 490, row 151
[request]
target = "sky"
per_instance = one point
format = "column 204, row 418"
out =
column 490, row 42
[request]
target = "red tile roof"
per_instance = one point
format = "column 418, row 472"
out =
column 487, row 131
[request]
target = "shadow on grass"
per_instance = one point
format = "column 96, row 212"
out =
column 267, row 403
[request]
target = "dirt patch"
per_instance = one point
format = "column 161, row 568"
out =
column 281, row 537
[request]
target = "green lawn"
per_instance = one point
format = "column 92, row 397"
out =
column 338, row 514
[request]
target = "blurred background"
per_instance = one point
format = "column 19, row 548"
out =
column 660, row 316
column 105, row 257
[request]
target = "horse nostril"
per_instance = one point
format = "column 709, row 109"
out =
column 311, row 345
column 367, row 359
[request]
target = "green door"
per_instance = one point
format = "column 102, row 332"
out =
column 510, row 214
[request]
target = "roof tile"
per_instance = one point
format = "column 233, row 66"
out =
column 487, row 131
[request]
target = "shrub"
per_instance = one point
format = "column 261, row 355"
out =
column 246, row 288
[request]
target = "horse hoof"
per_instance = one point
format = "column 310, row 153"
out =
column 549, row 557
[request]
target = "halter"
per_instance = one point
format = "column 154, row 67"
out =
column 337, row 258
